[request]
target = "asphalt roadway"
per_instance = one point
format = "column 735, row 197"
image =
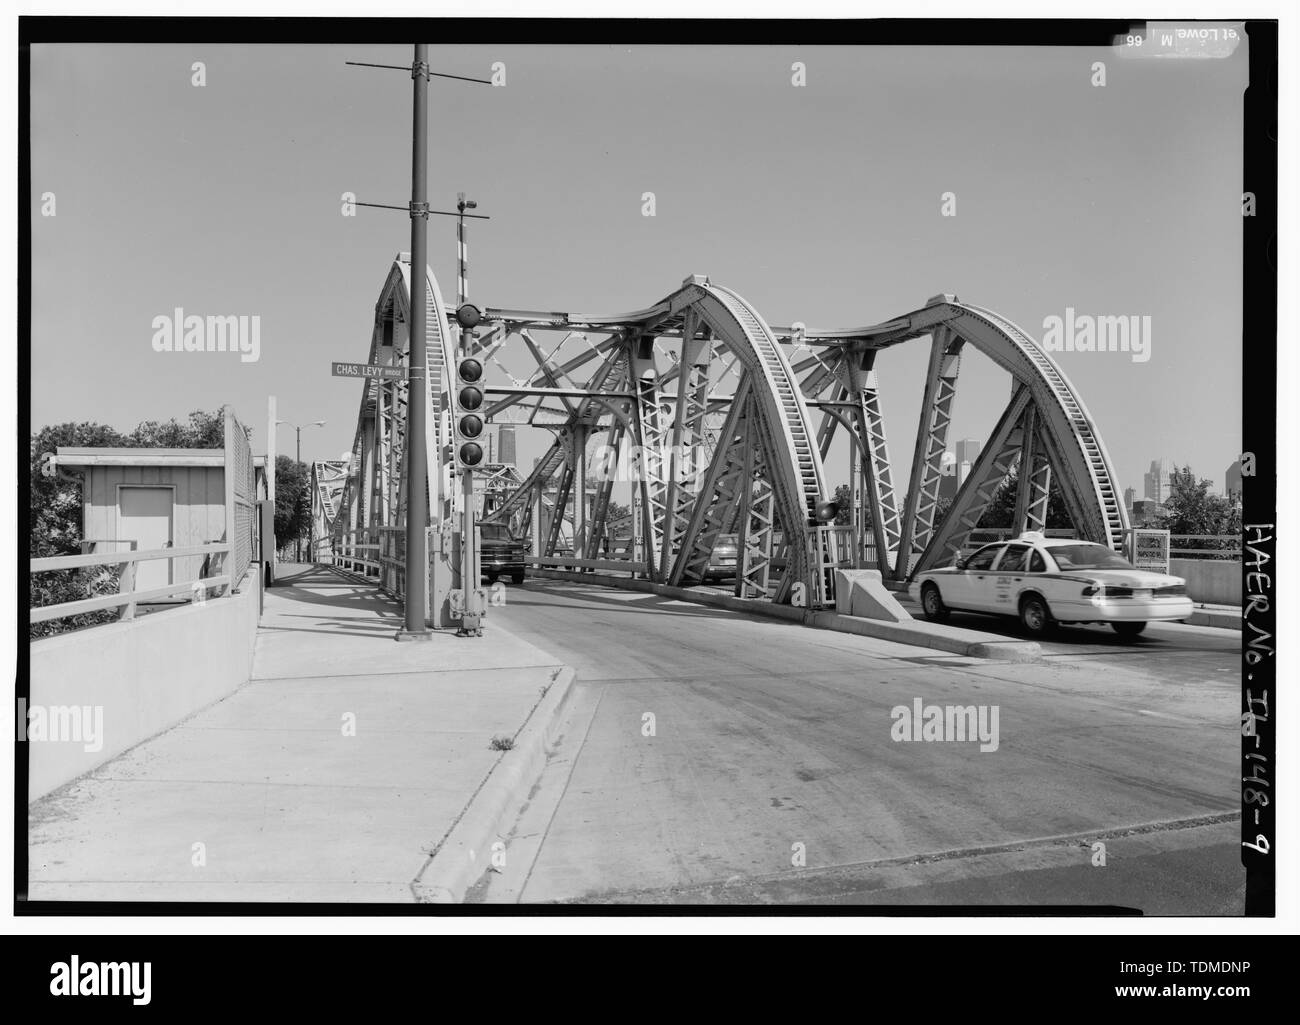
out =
column 714, row 757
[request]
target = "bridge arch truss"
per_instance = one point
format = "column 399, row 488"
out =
column 717, row 423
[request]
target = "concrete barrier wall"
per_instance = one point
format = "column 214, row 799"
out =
column 1213, row 581
column 137, row 678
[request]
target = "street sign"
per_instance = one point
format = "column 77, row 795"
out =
column 368, row 370
column 1149, row 549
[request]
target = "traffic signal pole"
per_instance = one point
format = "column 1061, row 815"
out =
column 469, row 426
column 417, row 497
column 472, row 621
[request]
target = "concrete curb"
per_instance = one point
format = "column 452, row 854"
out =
column 1219, row 620
column 466, row 851
column 952, row 639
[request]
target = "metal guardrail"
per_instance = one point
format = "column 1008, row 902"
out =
column 1182, row 546
column 566, row 562
column 1178, row 549
column 127, row 597
column 359, row 552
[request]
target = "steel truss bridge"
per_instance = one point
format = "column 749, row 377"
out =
column 723, row 424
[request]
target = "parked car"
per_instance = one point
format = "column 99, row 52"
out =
column 564, row 550
column 500, row 554
column 722, row 560
column 1045, row 580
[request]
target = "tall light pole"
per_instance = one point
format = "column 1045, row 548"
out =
column 297, row 541
column 414, row 626
column 417, row 497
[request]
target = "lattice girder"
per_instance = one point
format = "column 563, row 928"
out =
column 719, row 493
column 986, row 476
column 931, row 443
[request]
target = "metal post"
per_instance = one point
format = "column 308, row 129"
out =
column 297, row 540
column 269, row 569
column 417, row 499
column 462, row 258
column 471, row 621
column 462, row 262
column 855, row 500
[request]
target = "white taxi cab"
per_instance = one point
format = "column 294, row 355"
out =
column 1045, row 580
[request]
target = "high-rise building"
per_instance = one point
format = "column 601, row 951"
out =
column 506, row 444
column 955, row 466
column 967, row 452
column 1155, row 482
column 1129, row 495
column 949, row 476
column 1232, row 480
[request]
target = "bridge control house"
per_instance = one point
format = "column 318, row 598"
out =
column 156, row 498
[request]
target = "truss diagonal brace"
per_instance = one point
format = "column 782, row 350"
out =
column 931, row 441
column 722, row 488
column 877, row 474
column 1035, row 478
column 988, row 473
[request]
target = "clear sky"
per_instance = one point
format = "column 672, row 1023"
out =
column 820, row 204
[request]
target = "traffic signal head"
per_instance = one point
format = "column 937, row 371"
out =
column 469, row 370
column 470, row 454
column 469, row 421
column 827, row 511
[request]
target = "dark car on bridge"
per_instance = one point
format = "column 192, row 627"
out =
column 723, row 559
column 501, row 554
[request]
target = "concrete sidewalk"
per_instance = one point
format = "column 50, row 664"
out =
column 333, row 775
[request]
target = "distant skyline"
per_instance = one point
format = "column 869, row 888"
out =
column 820, row 203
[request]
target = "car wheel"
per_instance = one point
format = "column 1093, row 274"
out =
column 1128, row 629
column 517, row 578
column 932, row 604
column 1034, row 615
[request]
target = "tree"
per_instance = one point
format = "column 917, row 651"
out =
column 54, row 528
column 844, row 499
column 843, row 496
column 1192, row 509
column 204, row 430
column 54, row 515
column 292, row 499
column 1001, row 511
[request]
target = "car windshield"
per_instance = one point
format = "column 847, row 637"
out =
column 725, row 541
column 495, row 532
column 1088, row 557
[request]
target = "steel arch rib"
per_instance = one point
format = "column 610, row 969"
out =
column 792, row 457
column 1065, row 419
column 786, row 430
column 394, row 296
column 440, row 356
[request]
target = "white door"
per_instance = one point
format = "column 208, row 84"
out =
column 1007, row 581
column 144, row 515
